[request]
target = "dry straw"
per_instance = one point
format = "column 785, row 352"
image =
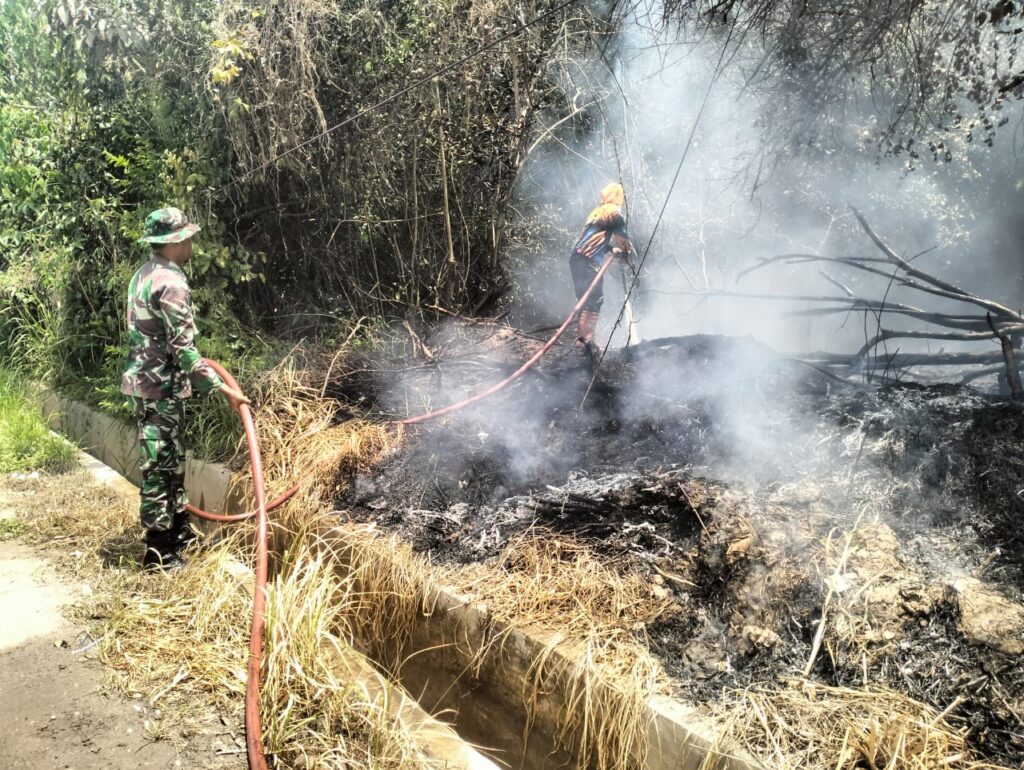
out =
column 318, row 715
column 807, row 726
column 595, row 612
column 301, row 440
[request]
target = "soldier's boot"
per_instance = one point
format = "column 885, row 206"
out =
column 184, row 535
column 162, row 552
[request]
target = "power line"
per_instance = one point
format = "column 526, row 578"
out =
column 401, row 92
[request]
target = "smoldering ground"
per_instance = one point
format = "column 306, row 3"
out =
column 726, row 471
column 730, row 478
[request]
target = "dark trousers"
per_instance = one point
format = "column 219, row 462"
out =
column 583, row 271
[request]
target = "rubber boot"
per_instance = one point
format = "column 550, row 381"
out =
column 586, row 327
column 184, row 535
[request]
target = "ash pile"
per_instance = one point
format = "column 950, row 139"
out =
column 801, row 524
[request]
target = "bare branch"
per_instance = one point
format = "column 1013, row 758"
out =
column 799, row 259
column 902, row 360
column 890, row 334
column 941, row 288
column 841, row 286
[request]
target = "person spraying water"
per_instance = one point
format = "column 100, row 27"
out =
column 163, row 369
column 603, row 237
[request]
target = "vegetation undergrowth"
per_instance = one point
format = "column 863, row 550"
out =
column 26, row 443
column 110, row 110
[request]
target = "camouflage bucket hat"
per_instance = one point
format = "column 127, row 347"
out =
column 169, row 225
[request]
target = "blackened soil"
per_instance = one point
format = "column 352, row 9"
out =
column 719, row 472
column 962, row 456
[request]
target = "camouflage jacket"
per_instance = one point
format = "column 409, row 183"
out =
column 162, row 358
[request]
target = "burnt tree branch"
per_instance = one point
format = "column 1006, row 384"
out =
column 944, row 288
column 1012, row 370
column 895, row 334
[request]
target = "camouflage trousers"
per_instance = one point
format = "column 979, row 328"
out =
column 162, row 462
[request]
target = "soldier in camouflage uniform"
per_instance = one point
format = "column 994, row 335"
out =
column 163, row 369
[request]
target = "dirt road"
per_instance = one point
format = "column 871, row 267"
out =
column 55, row 711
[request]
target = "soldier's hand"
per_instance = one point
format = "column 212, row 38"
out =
column 235, row 397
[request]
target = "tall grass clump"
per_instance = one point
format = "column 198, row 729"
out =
column 802, row 725
column 26, row 442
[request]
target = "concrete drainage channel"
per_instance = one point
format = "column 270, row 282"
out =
column 485, row 704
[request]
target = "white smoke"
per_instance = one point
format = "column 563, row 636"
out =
column 631, row 106
column 637, row 99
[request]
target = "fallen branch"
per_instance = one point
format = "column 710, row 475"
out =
column 977, row 374
column 938, row 283
column 893, row 334
column 919, row 281
column 902, row 360
column 965, row 322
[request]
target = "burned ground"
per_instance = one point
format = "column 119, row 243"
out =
column 756, row 493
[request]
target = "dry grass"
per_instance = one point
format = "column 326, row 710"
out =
column 300, row 441
column 181, row 640
column 92, row 526
column 871, row 594
column 394, row 589
column 559, row 585
column 595, row 611
column 808, row 726
column 317, row 715
column 590, row 611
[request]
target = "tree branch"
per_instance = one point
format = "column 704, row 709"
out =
column 947, row 289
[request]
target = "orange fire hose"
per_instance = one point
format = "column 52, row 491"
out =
column 253, row 734
column 522, row 369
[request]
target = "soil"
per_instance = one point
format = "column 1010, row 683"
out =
column 54, row 706
column 752, row 489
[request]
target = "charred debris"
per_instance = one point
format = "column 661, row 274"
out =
column 802, row 523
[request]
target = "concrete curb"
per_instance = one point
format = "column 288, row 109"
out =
column 114, row 443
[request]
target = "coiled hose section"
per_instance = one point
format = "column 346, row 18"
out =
column 253, row 734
